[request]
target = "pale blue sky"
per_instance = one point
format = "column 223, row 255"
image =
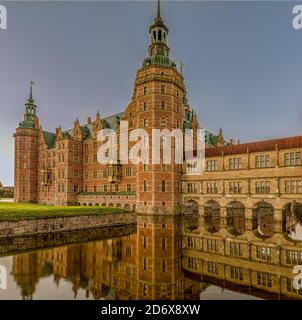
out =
column 242, row 63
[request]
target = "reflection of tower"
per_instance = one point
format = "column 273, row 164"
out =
column 25, row 274
column 159, row 258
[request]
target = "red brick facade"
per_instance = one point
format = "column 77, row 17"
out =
column 62, row 168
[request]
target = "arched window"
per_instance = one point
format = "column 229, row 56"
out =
column 159, row 35
column 235, row 217
column 212, row 216
column 263, row 219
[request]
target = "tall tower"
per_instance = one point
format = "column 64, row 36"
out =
column 26, row 154
column 157, row 103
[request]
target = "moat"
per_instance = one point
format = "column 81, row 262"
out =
column 162, row 257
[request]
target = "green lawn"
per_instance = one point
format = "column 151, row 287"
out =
column 24, row 211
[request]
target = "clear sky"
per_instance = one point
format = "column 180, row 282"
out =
column 242, row 63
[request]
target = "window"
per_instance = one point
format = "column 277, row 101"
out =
column 128, row 171
column 162, row 89
column 293, row 257
column 236, row 249
column 145, row 90
column 145, row 241
column 192, row 167
column 235, row 164
column 105, row 188
column 292, row 158
column 116, row 188
column 145, row 185
column 236, row 273
column 211, row 165
column 262, row 187
column 212, row 268
column 293, row 186
column 162, row 105
column 264, row 253
column 95, row 174
column 128, row 250
column 128, row 187
column 163, row 186
column 290, row 287
column 162, row 122
column 145, row 106
column 234, row 187
column 192, row 188
column 212, row 187
column 105, row 173
column 262, row 161
column 145, row 123
column 163, row 243
column 163, row 265
column 264, row 279
column 212, row 245
column 192, row 263
column 145, row 263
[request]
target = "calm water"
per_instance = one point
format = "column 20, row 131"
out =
column 163, row 258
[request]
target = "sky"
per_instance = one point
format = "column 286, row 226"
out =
column 242, row 63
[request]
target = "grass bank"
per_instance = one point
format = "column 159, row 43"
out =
column 24, row 211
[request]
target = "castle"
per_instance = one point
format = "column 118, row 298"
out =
column 62, row 168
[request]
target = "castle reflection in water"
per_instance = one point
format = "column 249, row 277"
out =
column 170, row 257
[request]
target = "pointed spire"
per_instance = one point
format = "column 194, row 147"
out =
column 31, row 92
column 158, row 9
column 220, row 138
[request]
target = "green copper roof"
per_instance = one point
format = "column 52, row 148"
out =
column 110, row 122
column 49, row 139
column 211, row 139
column 159, row 60
column 27, row 124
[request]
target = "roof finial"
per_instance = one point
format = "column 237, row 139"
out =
column 158, row 9
column 31, row 91
column 181, row 68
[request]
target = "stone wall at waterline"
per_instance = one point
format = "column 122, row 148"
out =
column 49, row 225
column 55, row 239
